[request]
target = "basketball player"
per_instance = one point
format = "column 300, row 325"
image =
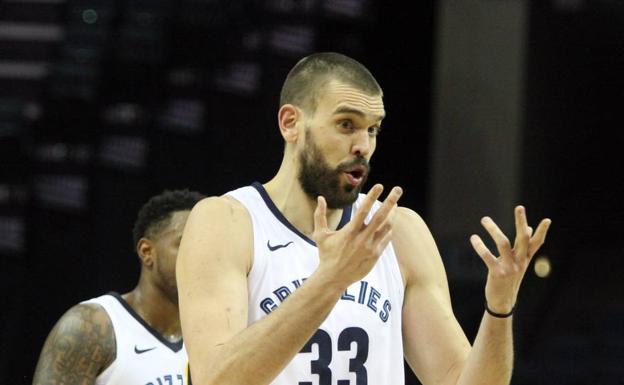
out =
column 305, row 281
column 134, row 338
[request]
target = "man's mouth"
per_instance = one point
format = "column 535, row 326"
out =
column 356, row 174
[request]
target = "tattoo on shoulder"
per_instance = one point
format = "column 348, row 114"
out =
column 79, row 347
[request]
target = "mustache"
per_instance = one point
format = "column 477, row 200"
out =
column 358, row 161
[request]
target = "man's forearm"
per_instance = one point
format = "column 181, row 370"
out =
column 259, row 353
column 491, row 358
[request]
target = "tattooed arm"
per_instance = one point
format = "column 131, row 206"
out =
column 79, row 347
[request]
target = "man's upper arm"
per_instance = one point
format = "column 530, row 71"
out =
column 212, row 266
column 435, row 346
column 79, row 347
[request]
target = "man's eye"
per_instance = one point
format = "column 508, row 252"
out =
column 346, row 124
column 374, row 131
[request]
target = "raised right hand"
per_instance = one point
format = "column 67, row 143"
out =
column 348, row 254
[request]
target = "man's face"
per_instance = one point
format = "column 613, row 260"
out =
column 339, row 140
column 166, row 244
column 317, row 177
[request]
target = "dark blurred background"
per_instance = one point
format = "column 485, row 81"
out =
column 490, row 103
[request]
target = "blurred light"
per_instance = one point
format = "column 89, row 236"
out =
column 23, row 70
column 36, row 1
column 89, row 16
column 12, row 234
column 542, row 266
column 55, row 152
column 210, row 13
column 30, row 31
column 124, row 152
column 32, row 111
column 239, row 78
column 349, row 8
column 297, row 7
column 62, row 191
column 5, row 193
column 13, row 195
column 124, row 114
column 62, row 152
column 183, row 116
column 296, row 40
column 183, row 77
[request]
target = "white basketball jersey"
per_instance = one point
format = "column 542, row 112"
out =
column 143, row 356
column 360, row 342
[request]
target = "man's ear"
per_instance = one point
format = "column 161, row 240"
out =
column 146, row 251
column 288, row 116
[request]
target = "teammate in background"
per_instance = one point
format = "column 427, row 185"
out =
column 134, row 338
column 305, row 281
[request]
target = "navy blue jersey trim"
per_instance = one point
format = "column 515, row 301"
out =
column 174, row 346
column 346, row 213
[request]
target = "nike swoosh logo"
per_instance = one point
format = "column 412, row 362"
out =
column 273, row 248
column 141, row 351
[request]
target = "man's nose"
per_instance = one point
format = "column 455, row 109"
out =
column 361, row 143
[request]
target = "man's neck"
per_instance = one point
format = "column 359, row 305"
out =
column 156, row 309
column 290, row 199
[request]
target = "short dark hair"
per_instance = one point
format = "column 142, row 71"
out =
column 156, row 212
column 310, row 74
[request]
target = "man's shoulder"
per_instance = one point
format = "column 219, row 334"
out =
column 89, row 326
column 216, row 223
column 222, row 207
column 414, row 245
column 86, row 315
column 408, row 227
column 88, row 309
column 409, row 220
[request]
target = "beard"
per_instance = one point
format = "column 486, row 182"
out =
column 167, row 284
column 318, row 178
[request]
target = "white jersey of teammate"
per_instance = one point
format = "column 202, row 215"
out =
column 143, row 356
column 360, row 342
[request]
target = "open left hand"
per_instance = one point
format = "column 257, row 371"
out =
column 506, row 271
